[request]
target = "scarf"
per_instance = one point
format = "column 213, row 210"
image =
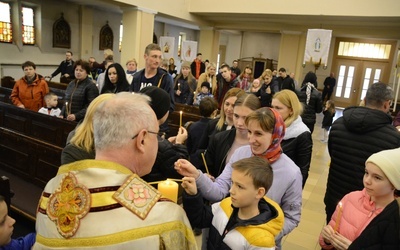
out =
column 295, row 129
column 309, row 88
column 274, row 150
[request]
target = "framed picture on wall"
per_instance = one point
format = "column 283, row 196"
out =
column 106, row 38
column 61, row 33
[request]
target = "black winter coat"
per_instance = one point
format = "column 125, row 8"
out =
column 383, row 232
column 299, row 150
column 209, row 132
column 79, row 96
column 167, row 155
column 354, row 137
column 72, row 153
column 217, row 151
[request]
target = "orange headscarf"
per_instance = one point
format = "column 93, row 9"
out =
column 274, row 150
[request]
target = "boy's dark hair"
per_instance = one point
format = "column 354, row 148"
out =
column 28, row 64
column 84, row 64
column 207, row 106
column 48, row 96
column 68, row 51
column 206, row 84
column 256, row 168
column 282, row 70
column 225, row 66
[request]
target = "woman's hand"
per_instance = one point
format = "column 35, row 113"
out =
column 71, row 117
column 178, row 92
column 340, row 242
column 189, row 184
column 185, row 168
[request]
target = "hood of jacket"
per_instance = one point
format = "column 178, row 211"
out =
column 362, row 119
column 295, row 129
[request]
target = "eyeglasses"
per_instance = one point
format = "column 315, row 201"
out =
column 160, row 135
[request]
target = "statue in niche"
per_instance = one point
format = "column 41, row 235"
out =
column 106, row 37
column 61, row 33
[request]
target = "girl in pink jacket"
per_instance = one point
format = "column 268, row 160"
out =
column 356, row 210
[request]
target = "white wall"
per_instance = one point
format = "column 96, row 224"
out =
column 265, row 43
column 165, row 29
column 233, row 44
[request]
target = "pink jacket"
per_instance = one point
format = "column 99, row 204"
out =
column 357, row 213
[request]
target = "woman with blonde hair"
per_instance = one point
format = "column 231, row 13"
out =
column 268, row 88
column 81, row 145
column 225, row 121
column 224, row 144
column 172, row 67
column 208, row 76
column 297, row 142
column 185, row 85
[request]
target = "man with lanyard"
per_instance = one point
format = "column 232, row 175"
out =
column 153, row 75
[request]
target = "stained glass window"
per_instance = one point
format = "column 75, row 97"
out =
column 5, row 23
column 28, row 27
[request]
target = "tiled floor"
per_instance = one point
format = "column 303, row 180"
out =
column 305, row 236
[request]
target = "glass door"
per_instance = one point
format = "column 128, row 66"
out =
column 345, row 92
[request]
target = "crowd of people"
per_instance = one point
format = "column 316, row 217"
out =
column 243, row 166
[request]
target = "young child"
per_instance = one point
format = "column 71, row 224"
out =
column 357, row 209
column 51, row 109
column 208, row 110
column 205, row 92
column 329, row 113
column 6, row 230
column 247, row 219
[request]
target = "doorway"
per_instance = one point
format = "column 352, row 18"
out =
column 357, row 64
column 354, row 78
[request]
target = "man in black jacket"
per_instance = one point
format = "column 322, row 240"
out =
column 169, row 150
column 359, row 133
column 329, row 85
column 66, row 68
column 285, row 81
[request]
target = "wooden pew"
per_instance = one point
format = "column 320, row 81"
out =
column 5, row 190
column 30, row 153
column 31, row 146
column 5, row 95
column 189, row 113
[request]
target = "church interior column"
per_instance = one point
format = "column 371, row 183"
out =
column 138, row 32
column 291, row 51
column 209, row 43
column 86, row 33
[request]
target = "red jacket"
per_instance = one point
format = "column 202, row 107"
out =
column 30, row 95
